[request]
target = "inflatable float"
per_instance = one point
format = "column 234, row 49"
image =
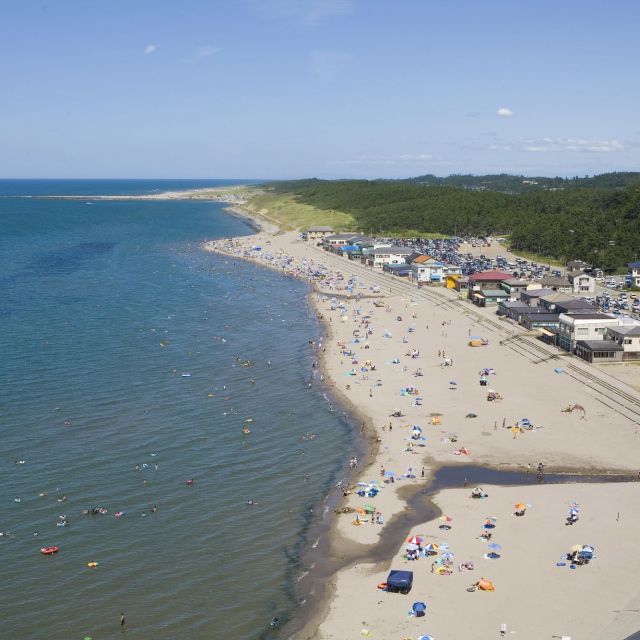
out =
column 48, row 551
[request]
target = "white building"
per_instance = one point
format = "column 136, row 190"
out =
column 389, row 255
column 629, row 337
column 581, row 282
column 634, row 272
column 583, row 326
column 318, row 233
column 427, row 269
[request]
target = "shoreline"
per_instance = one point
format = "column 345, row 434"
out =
column 325, row 618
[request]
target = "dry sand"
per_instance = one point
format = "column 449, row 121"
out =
column 533, row 596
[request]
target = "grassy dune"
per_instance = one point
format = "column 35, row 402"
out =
column 283, row 210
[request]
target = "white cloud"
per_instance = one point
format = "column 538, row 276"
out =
column 573, row 144
column 206, row 52
column 503, row 112
column 149, row 49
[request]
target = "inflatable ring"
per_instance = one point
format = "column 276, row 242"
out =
column 382, row 585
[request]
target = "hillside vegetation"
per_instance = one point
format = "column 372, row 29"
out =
column 592, row 223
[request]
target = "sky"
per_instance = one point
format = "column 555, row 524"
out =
column 317, row 88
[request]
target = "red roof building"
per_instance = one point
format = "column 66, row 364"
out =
column 488, row 279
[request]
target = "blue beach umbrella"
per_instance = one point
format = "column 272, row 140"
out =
column 495, row 546
column 389, row 474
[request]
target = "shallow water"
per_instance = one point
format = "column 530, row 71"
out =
column 103, row 308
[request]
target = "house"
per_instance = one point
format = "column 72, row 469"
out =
column 581, row 282
column 532, row 296
column 451, row 280
column 551, row 300
column 628, row 337
column 557, row 284
column 599, row 351
column 488, row 297
column 634, row 273
column 487, row 280
column 533, row 320
column 511, row 309
column 339, row 240
column 403, row 270
column 427, row 269
column 577, row 266
column 573, row 305
column 583, row 326
column 318, row 233
column 514, row 287
column 388, row 255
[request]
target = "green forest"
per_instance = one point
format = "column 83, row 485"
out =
column 594, row 219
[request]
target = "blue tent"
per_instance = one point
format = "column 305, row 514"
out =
column 401, row 581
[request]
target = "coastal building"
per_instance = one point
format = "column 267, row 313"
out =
column 388, row 255
column 514, row 287
column 634, row 274
column 533, row 320
column 402, row 270
column 552, row 300
column 599, row 351
column 556, row 284
column 628, row 337
column 488, row 297
column 574, row 305
column 451, row 280
column 577, row 266
column 337, row 240
column 487, row 280
column 582, row 326
column 581, row 282
column 533, row 296
column 427, row 269
column 318, row 233
column 512, row 308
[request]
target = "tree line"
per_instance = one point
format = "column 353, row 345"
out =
column 597, row 224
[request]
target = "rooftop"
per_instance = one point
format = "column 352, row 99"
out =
column 492, row 293
column 490, row 275
column 589, row 316
column 628, row 332
column 600, row 345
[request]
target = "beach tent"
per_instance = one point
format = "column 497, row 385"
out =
column 419, row 609
column 399, row 581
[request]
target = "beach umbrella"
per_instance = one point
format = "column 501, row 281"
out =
column 446, row 518
column 419, row 608
column 520, row 506
column 415, row 540
column 369, row 508
column 574, row 512
column 412, row 547
column 575, row 548
column 431, row 547
column 426, row 638
column 389, row 474
column 495, row 546
column 448, row 555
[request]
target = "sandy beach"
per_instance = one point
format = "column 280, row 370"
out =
column 396, row 350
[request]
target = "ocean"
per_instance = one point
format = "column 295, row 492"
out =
column 132, row 361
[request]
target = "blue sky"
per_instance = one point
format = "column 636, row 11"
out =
column 326, row 88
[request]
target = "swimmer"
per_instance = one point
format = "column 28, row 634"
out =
column 250, row 502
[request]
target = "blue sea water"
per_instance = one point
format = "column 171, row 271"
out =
column 104, row 309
